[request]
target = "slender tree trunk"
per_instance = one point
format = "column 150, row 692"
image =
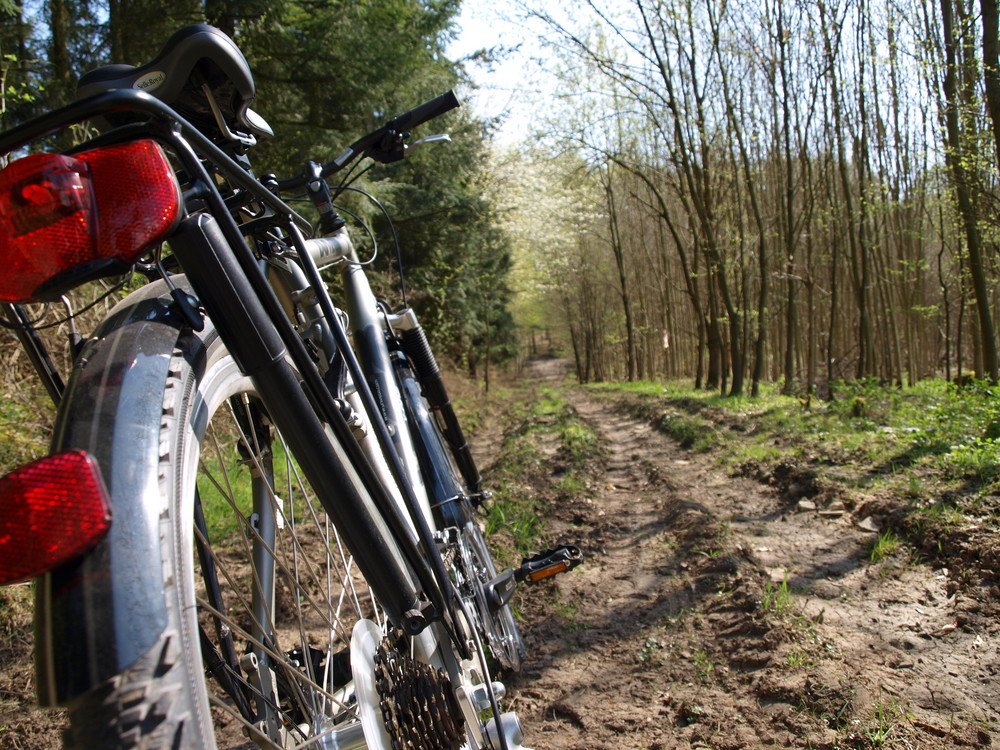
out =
column 619, row 253
column 59, row 28
column 963, row 193
column 789, row 202
column 991, row 67
column 760, row 342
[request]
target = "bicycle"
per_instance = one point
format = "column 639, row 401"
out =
column 258, row 519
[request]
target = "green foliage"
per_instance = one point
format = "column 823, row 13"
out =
column 524, row 468
column 956, row 431
column 327, row 73
column 25, row 424
column 882, row 729
column 978, row 458
column 777, row 598
column 703, row 665
column 457, row 258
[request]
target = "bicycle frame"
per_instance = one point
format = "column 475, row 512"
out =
column 93, row 606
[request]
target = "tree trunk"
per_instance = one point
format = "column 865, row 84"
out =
column 619, row 253
column 955, row 156
column 991, row 67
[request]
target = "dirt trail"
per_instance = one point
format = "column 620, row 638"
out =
column 715, row 612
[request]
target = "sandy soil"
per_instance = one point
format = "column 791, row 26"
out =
column 714, row 612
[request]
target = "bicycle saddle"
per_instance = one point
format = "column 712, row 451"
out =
column 193, row 58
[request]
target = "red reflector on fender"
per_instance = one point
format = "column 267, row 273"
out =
column 80, row 217
column 51, row 511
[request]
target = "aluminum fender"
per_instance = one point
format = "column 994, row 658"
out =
column 94, row 617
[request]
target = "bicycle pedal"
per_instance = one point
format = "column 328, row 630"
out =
column 549, row 563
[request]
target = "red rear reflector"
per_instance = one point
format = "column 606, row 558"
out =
column 51, row 511
column 81, row 217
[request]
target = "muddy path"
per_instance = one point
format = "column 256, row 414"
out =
column 716, row 612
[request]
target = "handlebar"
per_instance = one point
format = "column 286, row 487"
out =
column 424, row 112
column 392, row 130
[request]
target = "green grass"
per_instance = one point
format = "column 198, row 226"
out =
column 233, row 480
column 25, row 428
column 886, row 545
column 960, row 427
column 882, row 725
column 547, row 452
column 797, row 659
column 777, row 598
column 703, row 665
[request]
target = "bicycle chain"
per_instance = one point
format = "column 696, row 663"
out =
column 417, row 702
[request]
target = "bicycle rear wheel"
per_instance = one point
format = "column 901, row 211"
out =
column 262, row 595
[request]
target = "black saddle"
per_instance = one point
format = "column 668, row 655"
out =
column 194, row 59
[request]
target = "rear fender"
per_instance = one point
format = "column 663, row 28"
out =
column 95, row 616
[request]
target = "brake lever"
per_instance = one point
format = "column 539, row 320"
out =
column 394, row 147
column 439, row 138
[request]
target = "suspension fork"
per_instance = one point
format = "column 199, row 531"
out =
column 418, row 349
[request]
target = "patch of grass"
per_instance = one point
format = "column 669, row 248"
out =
column 25, row 427
column 796, row 659
column 753, row 454
column 644, row 387
column 915, row 486
column 571, row 485
column 886, row 545
column 703, row 665
column 977, row 458
column 777, row 598
column 689, row 432
column 519, row 475
column 651, row 651
column 16, row 606
column 514, row 514
column 579, row 440
column 569, row 612
column 226, row 475
column 883, row 724
column 716, row 547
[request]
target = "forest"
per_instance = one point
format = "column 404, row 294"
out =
column 764, row 238
column 791, row 192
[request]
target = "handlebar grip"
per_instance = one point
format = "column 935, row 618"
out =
column 426, row 111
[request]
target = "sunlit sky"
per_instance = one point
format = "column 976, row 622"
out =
column 504, row 86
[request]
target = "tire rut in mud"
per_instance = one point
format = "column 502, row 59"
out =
column 712, row 613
